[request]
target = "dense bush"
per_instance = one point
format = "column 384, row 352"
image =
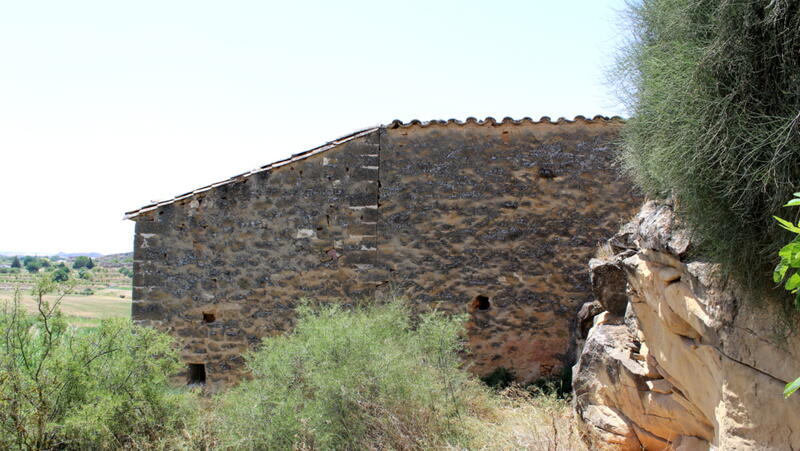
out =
column 95, row 388
column 83, row 262
column 714, row 92
column 354, row 379
column 60, row 274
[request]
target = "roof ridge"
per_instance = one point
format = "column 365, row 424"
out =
column 505, row 121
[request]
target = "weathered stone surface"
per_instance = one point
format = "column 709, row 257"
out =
column 695, row 365
column 609, row 284
column 505, row 212
column 442, row 214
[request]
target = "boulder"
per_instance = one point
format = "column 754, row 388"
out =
column 695, row 364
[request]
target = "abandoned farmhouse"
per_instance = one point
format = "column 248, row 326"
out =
column 494, row 218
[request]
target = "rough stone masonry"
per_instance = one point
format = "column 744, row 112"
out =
column 493, row 218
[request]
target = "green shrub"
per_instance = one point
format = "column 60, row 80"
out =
column 96, row 388
column 712, row 86
column 354, row 379
column 60, row 275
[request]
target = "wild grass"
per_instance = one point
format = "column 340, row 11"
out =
column 528, row 420
column 714, row 91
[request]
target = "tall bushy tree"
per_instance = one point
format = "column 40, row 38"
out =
column 67, row 388
column 82, row 262
column 714, row 91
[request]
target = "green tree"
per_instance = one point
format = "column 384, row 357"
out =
column 712, row 88
column 15, row 263
column 61, row 274
column 81, row 262
column 99, row 388
column 33, row 265
column 90, row 263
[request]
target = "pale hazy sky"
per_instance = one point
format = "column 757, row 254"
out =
column 107, row 105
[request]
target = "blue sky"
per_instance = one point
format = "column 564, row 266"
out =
column 105, row 105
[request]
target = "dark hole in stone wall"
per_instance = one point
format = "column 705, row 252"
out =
column 209, row 317
column 196, row 374
column 481, row 302
column 546, row 173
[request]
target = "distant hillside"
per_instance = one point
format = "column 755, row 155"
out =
column 116, row 260
column 79, row 254
column 64, row 255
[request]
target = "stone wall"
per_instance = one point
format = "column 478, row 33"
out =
column 686, row 362
column 508, row 212
column 486, row 217
column 246, row 252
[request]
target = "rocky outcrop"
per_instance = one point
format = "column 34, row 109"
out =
column 689, row 363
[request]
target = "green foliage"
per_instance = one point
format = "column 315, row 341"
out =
column 83, row 262
column 60, row 274
column 98, row 388
column 33, row 266
column 713, row 90
column 559, row 386
column 786, row 271
column 351, row 379
column 791, row 387
column 16, row 263
column 85, row 274
column 126, row 271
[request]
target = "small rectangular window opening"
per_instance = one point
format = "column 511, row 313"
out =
column 196, row 374
column 209, row 317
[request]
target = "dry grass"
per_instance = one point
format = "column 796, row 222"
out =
column 513, row 419
column 522, row 421
column 604, row 251
column 106, row 303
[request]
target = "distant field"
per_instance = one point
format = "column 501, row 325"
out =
column 81, row 310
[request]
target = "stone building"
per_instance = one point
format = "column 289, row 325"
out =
column 494, row 218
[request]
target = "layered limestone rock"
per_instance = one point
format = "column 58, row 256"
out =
column 685, row 361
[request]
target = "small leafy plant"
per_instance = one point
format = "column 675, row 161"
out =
column 787, row 272
column 787, row 269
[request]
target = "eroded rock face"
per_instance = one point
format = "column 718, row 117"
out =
column 692, row 364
